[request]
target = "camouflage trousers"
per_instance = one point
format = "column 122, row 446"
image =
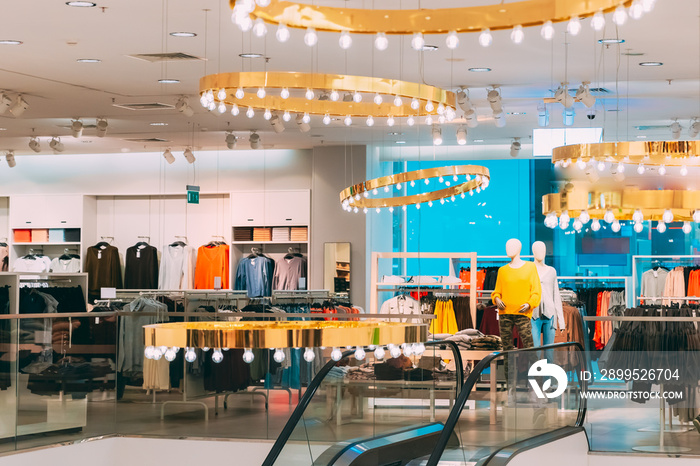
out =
column 522, row 322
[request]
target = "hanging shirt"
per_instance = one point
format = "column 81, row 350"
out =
column 71, row 265
column 32, row 264
column 141, row 269
column 104, row 269
column 288, row 272
column 176, row 268
column 401, row 305
column 518, row 286
column 4, row 258
column 254, row 274
column 212, row 262
column 653, row 282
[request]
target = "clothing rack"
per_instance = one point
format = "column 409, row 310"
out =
column 604, row 280
column 682, row 259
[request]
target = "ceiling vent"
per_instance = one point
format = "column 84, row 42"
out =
column 146, row 106
column 146, row 140
column 85, row 126
column 160, row 57
column 594, row 90
column 653, row 127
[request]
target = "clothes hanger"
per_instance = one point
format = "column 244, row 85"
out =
column 143, row 244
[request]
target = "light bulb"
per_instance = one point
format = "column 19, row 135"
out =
column 378, row 99
column 336, row 354
column 621, row 167
column 390, row 121
column 205, row 349
column 239, row 93
column 598, row 21
column 279, row 355
column 417, row 206
column 429, row 120
column 615, row 227
column 662, row 170
column 235, row 110
column 638, row 227
column 203, row 100
column 547, row 31
column 397, row 101
column 580, row 164
column 221, row 94
column 386, row 189
column 248, row 356
column 452, row 40
column 391, row 209
column 286, row 116
column 365, row 194
column 441, row 179
column 407, row 350
column 282, row 33
column 418, row 349
column 365, row 210
column 687, row 227
column 429, row 107
column 381, row 42
column 284, row 93
column 209, row 95
column 211, row 106
column 335, row 96
column 637, row 216
column 395, row 351
column 309, row 94
column 375, row 191
column 668, row 216
column 217, row 356
column 170, row 355
column 609, row 216
column 636, row 9
column 564, row 217
column 410, row 121
column 595, row 224
column 430, row 203
column 578, row 225
column 268, row 114
column 517, row 35
column 259, row 28
column 415, row 104
column 601, row 166
column 641, row 169
column 379, row 353
column 190, row 355
column 661, row 227
column 648, row 5
column 441, row 109
column 370, row 121
column 360, row 354
column 345, row 40
column 485, row 38
column 684, row 170
column 250, row 113
column 619, row 17
column 309, row 355
column 356, row 97
column 356, row 210
column 574, row 26
column 378, row 210
column 413, row 184
column 584, row 216
column 148, row 352
column 696, row 216
column 418, row 42
column 326, row 119
column 261, row 93
column 306, row 118
column 310, row 37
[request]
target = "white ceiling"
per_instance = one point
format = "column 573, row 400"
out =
column 58, row 88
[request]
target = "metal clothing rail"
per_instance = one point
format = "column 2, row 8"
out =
column 684, row 258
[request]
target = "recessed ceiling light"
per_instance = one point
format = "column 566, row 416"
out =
column 159, row 123
column 400, row 142
column 641, row 137
column 183, row 34
column 516, row 113
column 169, row 81
column 394, row 133
column 10, row 42
column 250, row 55
column 88, row 60
column 478, row 140
column 614, row 110
column 611, row 41
column 429, row 48
column 3, row 129
column 479, row 70
column 633, row 54
column 82, row 4
column 651, row 63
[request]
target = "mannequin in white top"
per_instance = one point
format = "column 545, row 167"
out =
column 549, row 315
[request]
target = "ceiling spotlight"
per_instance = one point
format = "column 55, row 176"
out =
column 101, row 127
column 76, row 128
column 254, row 140
column 462, row 136
column 584, row 95
column 168, row 156
column 500, row 119
column 34, row 144
column 494, row 98
column 231, row 140
column 676, row 129
column 277, row 123
column 598, row 21
column 10, row 158
column 574, row 26
column 515, row 147
column 568, row 116
column 381, row 42
column 304, row 127
column 19, row 107
column 5, row 102
column 437, row 135
column 485, row 38
column 542, row 115
column 182, row 105
column 562, row 96
column 56, row 144
column 694, row 129
column 517, row 35
column 189, row 155
column 547, row 31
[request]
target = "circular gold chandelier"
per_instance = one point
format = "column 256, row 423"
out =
column 644, row 154
column 452, row 181
column 165, row 340
column 255, row 14
column 631, row 204
column 306, row 94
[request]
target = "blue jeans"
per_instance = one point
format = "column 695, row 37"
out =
column 543, row 333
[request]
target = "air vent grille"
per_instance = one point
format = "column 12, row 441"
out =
column 146, row 106
column 160, row 57
column 146, row 140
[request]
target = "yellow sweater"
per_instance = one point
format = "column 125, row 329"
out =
column 516, row 287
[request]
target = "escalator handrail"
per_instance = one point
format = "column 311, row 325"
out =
column 316, row 383
column 463, row 396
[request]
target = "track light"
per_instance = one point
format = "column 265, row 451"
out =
column 494, row 98
column 10, row 158
column 500, row 119
column 101, row 127
column 34, row 144
column 183, row 106
column 19, row 106
column 56, row 144
column 676, row 130
column 562, row 96
column 304, row 127
column 277, row 123
column 515, row 148
column 461, row 135
column 694, row 129
column 254, row 140
column 189, row 155
column 568, row 116
column 437, row 135
column 231, row 140
column 584, row 95
column 542, row 115
column 76, row 128
column 463, row 101
column 5, row 102
column 168, row 156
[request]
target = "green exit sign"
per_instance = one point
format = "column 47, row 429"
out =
column 192, row 194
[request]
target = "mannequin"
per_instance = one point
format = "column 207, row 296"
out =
column 549, row 315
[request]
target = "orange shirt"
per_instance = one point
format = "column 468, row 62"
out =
column 212, row 262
